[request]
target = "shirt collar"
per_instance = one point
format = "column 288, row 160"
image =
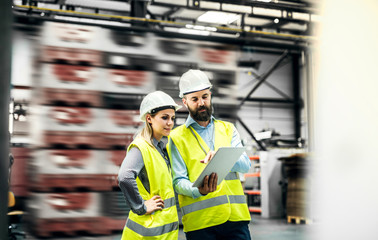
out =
column 155, row 142
column 190, row 121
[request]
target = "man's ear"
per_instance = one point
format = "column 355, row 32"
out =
column 184, row 100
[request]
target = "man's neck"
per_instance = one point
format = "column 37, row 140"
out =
column 203, row 123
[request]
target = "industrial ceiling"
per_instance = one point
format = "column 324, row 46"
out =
column 280, row 24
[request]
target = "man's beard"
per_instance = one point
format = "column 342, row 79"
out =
column 201, row 116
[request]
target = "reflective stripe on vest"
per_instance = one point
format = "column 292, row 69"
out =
column 149, row 232
column 204, row 204
column 170, row 202
column 237, row 199
column 212, row 203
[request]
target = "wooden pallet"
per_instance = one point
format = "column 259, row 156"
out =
column 298, row 220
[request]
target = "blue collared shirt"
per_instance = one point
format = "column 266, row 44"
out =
column 181, row 181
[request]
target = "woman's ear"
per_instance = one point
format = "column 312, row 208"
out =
column 148, row 118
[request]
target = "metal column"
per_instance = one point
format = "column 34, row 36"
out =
column 296, row 95
column 139, row 9
column 5, row 70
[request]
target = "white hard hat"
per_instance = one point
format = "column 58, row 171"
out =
column 155, row 102
column 193, row 81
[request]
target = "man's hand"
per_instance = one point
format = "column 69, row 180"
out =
column 153, row 204
column 208, row 157
column 209, row 184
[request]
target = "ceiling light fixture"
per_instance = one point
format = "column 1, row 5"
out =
column 218, row 17
column 91, row 21
column 201, row 28
column 194, row 31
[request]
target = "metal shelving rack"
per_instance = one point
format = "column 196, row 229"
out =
column 254, row 192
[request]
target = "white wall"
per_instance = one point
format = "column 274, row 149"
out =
column 346, row 121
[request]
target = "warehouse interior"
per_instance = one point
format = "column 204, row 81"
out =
column 78, row 71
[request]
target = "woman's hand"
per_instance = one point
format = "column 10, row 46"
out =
column 208, row 157
column 153, row 204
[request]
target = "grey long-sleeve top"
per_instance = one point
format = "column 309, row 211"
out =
column 133, row 167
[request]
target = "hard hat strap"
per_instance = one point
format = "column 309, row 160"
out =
column 196, row 91
column 155, row 110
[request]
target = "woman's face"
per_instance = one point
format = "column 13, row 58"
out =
column 162, row 123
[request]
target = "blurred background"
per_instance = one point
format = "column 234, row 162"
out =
column 292, row 76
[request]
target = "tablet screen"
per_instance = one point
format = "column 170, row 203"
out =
column 222, row 162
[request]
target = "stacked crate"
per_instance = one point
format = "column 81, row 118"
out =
column 84, row 117
column 18, row 176
column 296, row 170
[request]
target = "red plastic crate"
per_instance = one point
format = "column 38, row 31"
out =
column 74, row 56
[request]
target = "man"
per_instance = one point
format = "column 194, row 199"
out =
column 211, row 211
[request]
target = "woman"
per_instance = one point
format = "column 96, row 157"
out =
column 145, row 174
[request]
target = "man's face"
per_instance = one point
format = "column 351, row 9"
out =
column 199, row 105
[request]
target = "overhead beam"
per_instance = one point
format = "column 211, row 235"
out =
column 51, row 14
column 251, row 14
column 269, row 100
column 299, row 7
column 248, row 40
column 168, row 14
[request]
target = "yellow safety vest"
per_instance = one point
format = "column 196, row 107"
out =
column 162, row 224
column 228, row 202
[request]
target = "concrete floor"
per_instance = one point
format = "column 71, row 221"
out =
column 278, row 229
column 261, row 229
column 274, row 229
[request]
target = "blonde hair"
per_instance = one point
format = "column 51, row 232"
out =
column 147, row 131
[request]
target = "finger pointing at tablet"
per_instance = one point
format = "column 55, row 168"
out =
column 208, row 157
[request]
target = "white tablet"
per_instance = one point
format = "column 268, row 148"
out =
column 222, row 162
